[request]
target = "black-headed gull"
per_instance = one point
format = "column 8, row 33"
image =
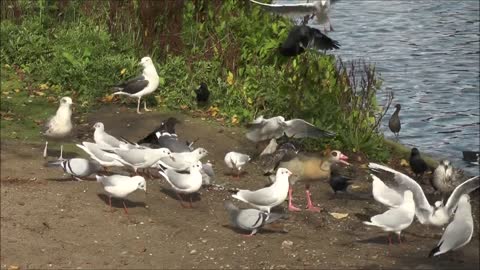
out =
column 236, row 161
column 103, row 139
column 141, row 85
column 96, row 153
column 140, row 158
column 182, row 161
column 120, row 186
column 385, row 195
column 440, row 213
column 184, row 183
column 268, row 197
column 59, row 126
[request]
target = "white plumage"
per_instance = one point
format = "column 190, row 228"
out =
column 60, row 125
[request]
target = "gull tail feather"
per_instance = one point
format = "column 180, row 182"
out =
column 435, row 250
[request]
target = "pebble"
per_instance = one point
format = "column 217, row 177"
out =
column 193, row 251
column 287, row 244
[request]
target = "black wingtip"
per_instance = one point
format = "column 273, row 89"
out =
column 434, row 250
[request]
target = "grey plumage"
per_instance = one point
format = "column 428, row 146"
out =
column 250, row 219
column 269, row 162
column 394, row 122
column 446, row 178
column 77, row 167
column 208, row 175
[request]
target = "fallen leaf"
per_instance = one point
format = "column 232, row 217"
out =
column 13, row 267
column 39, row 93
column 234, row 120
column 339, row 215
column 17, row 90
column 230, row 80
column 7, row 118
column 249, row 101
column 107, row 99
column 183, row 107
column 404, row 163
column 355, row 186
column 123, row 71
column 43, row 86
column 5, row 93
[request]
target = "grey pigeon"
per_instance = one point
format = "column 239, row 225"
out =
column 250, row 219
column 77, row 167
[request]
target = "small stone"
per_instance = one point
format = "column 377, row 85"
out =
column 193, row 251
column 287, row 244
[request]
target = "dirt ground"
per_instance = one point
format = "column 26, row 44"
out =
column 49, row 221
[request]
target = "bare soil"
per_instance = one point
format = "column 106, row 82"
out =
column 50, row 221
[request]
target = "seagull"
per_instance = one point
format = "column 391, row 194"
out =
column 140, row 158
column 76, row 167
column 396, row 219
column 103, row 139
column 202, row 94
column 266, row 198
column 417, row 164
column 167, row 126
column 249, row 219
column 305, row 37
column 385, row 195
column 459, row 232
column 270, row 148
column 394, row 122
column 141, row 85
column 445, row 177
column 320, row 9
column 440, row 213
column 339, row 182
column 235, row 161
column 265, row 129
column 207, row 173
column 184, row 183
column 182, row 161
column 97, row 154
column 120, row 186
column 60, row 125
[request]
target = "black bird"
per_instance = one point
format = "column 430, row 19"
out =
column 471, row 156
column 417, row 164
column 165, row 126
column 304, row 37
column 202, row 93
column 339, row 182
column 394, row 122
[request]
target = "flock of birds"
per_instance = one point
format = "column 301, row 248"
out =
column 179, row 163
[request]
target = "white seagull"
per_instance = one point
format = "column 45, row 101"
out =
column 120, row 186
column 182, row 161
column 141, row 85
column 439, row 214
column 266, row 198
column 99, row 155
column 235, row 161
column 184, row 183
column 103, row 139
column 60, row 125
column 140, row 158
column 385, row 195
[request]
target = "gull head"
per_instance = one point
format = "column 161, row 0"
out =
column 283, row 172
column 201, row 152
column 445, row 163
column 438, row 204
column 99, row 126
column 66, row 101
column 146, row 61
column 196, row 166
column 142, row 184
column 338, row 156
column 166, row 152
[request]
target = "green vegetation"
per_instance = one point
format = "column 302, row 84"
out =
column 82, row 47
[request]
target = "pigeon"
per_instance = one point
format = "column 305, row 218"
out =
column 120, row 186
column 266, row 198
column 308, row 170
column 141, row 85
column 446, row 178
column 385, row 195
column 171, row 142
column 339, row 182
column 417, row 164
column 184, row 183
column 265, row 129
column 208, row 175
column 305, row 37
column 76, row 167
column 103, row 139
column 249, row 219
column 202, row 94
column 182, row 161
column 394, row 122
column 140, row 158
column 459, row 232
column 97, row 154
column 440, row 213
column 236, row 161
column 167, row 126
column 396, row 219
column 60, row 125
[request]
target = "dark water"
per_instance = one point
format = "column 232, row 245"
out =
column 427, row 52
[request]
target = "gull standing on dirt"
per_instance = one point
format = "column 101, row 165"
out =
column 459, row 232
column 97, row 154
column 265, row 129
column 60, row 125
column 446, row 178
column 184, row 183
column 249, row 219
column 103, row 139
column 140, row 158
column 208, row 175
column 141, row 85
column 440, row 213
column 183, row 161
column 235, row 161
column 396, row 219
column 120, row 186
column 76, row 167
column 268, row 197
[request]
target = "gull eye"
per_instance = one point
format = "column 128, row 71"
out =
column 334, row 153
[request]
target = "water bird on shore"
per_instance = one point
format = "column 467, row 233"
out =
column 103, row 139
column 262, row 129
column 472, row 157
column 120, row 186
column 417, row 164
column 394, row 122
column 98, row 154
column 182, row 161
column 440, row 213
column 59, row 126
column 202, row 93
column 446, row 177
column 305, row 37
column 141, row 85
column 236, row 161
column 384, row 194
column 184, row 183
column 459, row 232
column 140, row 158
column 76, row 167
column 249, row 219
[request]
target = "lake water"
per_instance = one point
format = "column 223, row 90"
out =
column 427, row 52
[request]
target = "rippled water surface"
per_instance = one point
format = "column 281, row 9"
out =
column 427, row 52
